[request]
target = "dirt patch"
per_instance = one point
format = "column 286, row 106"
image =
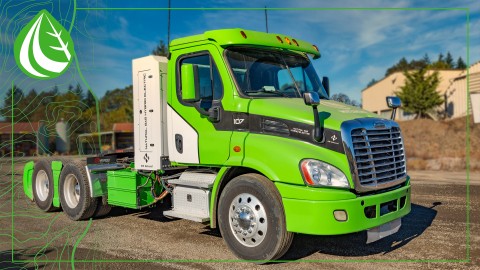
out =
column 441, row 145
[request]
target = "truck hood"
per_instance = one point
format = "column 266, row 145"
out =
column 332, row 113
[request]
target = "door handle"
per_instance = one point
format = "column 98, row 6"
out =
column 214, row 114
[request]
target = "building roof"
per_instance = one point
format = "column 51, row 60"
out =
column 122, row 127
column 19, row 128
column 397, row 73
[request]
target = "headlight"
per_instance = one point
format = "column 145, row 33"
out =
column 317, row 173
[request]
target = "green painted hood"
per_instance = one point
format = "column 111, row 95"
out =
column 331, row 112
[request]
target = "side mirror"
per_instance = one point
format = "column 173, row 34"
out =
column 326, row 85
column 190, row 83
column 393, row 103
column 311, row 98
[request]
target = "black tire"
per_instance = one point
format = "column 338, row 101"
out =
column 42, row 185
column 75, row 192
column 244, row 202
column 102, row 208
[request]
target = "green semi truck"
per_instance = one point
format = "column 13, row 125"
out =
column 237, row 128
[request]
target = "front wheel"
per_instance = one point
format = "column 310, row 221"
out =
column 252, row 219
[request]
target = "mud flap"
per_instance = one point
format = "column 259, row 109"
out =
column 384, row 230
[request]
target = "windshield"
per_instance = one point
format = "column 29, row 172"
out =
column 273, row 73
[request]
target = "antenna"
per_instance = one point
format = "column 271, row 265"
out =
column 168, row 24
column 266, row 19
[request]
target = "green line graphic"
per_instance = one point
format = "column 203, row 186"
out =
column 72, row 231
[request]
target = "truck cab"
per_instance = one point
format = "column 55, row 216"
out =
column 237, row 127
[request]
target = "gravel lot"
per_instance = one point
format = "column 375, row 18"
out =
column 433, row 235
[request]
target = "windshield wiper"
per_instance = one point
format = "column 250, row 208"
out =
column 263, row 90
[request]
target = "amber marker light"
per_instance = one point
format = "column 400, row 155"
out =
column 294, row 41
column 237, row 149
column 315, row 47
column 280, row 39
column 243, row 34
column 288, row 40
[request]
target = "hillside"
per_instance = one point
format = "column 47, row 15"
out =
column 440, row 145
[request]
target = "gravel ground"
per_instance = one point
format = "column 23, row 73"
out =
column 433, row 235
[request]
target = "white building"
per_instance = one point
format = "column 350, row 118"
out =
column 453, row 87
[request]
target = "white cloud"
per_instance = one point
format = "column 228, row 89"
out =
column 367, row 73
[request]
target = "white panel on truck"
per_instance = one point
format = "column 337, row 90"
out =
column 150, row 111
column 182, row 139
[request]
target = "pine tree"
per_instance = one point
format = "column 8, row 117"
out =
column 372, row 82
column 440, row 58
column 6, row 110
column 419, row 94
column 161, row 49
column 78, row 91
column 89, row 100
column 426, row 59
column 461, row 64
column 449, row 60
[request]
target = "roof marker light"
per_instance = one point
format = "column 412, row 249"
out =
column 288, row 40
column 243, row 34
column 294, row 41
column 280, row 39
column 315, row 47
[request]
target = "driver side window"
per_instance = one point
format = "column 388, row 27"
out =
column 209, row 81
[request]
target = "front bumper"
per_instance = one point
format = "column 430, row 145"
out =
column 310, row 210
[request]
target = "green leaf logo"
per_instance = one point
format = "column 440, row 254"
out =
column 43, row 49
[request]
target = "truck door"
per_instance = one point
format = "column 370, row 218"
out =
column 193, row 138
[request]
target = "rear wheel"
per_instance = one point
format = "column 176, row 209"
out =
column 75, row 192
column 42, row 185
column 102, row 208
column 252, row 219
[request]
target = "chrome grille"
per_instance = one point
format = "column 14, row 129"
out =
column 379, row 155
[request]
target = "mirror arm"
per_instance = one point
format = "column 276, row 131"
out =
column 394, row 110
column 317, row 131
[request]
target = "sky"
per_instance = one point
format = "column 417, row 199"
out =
column 357, row 45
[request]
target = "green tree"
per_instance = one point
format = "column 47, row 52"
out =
column 18, row 97
column 78, row 91
column 402, row 65
column 161, row 49
column 419, row 94
column 460, row 64
column 89, row 100
column 426, row 59
column 116, row 107
column 343, row 98
column 449, row 60
column 372, row 82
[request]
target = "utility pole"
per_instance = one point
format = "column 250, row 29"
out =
column 266, row 19
column 168, row 24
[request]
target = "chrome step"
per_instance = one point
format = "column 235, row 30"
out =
column 183, row 215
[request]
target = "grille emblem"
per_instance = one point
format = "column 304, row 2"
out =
column 379, row 125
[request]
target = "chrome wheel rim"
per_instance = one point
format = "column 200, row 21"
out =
column 42, row 185
column 248, row 220
column 71, row 189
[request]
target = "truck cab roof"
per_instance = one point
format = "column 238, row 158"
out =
column 238, row 36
